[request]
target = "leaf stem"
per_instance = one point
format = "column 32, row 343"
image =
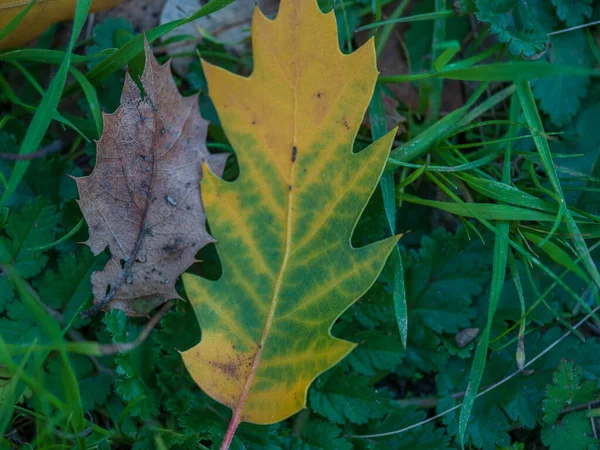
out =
column 235, row 422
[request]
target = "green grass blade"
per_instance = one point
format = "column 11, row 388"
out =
column 423, row 141
column 92, row 97
column 436, row 84
column 519, row 248
column 500, row 259
column 415, row 18
column 485, row 105
column 446, row 126
column 507, row 194
column 491, row 142
column 14, row 23
column 541, row 298
column 514, row 271
column 12, row 96
column 535, row 122
column 392, row 163
column 54, row 332
column 384, row 34
column 66, row 237
column 557, row 254
column 127, row 411
column 449, row 50
column 379, row 129
column 44, row 56
column 413, row 176
column 471, row 61
column 43, row 116
column 9, row 395
column 498, row 274
column 487, row 211
column 136, row 46
column 506, row 71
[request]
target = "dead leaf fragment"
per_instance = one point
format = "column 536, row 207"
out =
column 464, row 337
column 142, row 200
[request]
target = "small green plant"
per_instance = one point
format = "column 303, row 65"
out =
column 482, row 328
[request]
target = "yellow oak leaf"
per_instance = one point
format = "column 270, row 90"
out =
column 284, row 226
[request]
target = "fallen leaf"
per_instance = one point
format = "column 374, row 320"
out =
column 142, row 200
column 40, row 17
column 284, row 226
column 229, row 26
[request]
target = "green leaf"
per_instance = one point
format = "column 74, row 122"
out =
column 104, row 34
column 133, row 377
column 573, row 432
column 320, row 435
column 582, row 137
column 7, row 292
column 376, row 351
column 443, row 278
column 573, row 12
column 424, row 355
column 32, row 226
column 46, row 177
column 94, row 386
column 464, row 7
column 18, row 326
column 340, row 397
column 521, row 24
column 487, row 429
column 69, row 288
column 560, row 96
column 519, row 399
column 202, row 424
column 373, row 308
column 568, row 390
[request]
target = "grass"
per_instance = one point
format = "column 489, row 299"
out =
column 488, row 165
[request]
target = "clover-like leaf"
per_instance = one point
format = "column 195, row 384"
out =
column 568, row 389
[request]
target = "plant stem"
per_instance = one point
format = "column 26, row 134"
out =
column 593, row 413
column 235, row 422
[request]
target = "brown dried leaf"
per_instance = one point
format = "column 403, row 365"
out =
column 143, row 198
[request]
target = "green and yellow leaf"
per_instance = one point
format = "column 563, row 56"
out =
column 284, row 226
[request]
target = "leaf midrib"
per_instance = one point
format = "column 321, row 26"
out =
column 286, row 254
